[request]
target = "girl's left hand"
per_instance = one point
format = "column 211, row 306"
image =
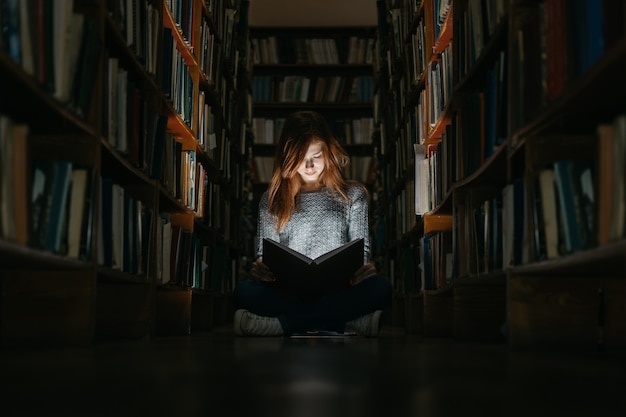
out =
column 364, row 272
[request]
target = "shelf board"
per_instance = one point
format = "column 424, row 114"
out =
column 117, row 276
column 14, row 255
column 492, row 171
column 119, row 168
column 497, row 278
column 603, row 260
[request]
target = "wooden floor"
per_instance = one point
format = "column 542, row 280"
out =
column 217, row 374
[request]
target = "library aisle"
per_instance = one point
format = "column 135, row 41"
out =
column 218, row 374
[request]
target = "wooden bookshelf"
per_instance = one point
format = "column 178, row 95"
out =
column 520, row 127
column 121, row 119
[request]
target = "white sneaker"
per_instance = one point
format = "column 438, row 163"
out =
column 249, row 324
column 367, row 325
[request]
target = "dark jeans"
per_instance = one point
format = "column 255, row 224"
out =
column 330, row 312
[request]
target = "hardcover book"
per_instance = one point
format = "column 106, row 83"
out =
column 301, row 276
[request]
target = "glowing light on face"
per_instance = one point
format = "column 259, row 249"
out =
column 312, row 165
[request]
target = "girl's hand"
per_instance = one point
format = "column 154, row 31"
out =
column 260, row 272
column 364, row 272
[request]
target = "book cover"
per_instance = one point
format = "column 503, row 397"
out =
column 567, row 205
column 53, row 221
column 304, row 277
column 19, row 186
column 77, row 196
column 549, row 211
column 88, row 61
column 106, row 219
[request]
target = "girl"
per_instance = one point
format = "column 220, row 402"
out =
column 311, row 208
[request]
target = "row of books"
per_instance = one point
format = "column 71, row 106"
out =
column 206, row 136
column 549, row 212
column 556, row 42
column 479, row 126
column 56, row 46
column 177, row 83
column 417, row 52
column 185, row 260
column 476, row 25
column 45, row 203
column 131, row 122
column 402, row 22
column 125, row 229
column 481, row 236
column 182, row 12
column 569, row 199
column 222, row 18
column 181, row 175
column 347, row 131
column 209, row 57
column 436, row 267
column 133, row 127
column 399, row 23
column 441, row 10
column 125, row 223
column 176, row 264
column 566, row 201
column 319, row 51
column 303, row 89
column 139, row 24
column 55, row 212
column 187, row 180
column 440, row 84
column 126, row 236
column 62, row 207
column 267, row 131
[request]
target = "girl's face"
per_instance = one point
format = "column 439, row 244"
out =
column 313, row 164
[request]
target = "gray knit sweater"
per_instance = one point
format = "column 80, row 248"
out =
column 320, row 224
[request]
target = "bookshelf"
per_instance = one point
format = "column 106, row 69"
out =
column 126, row 173
column 325, row 69
column 414, row 70
column 518, row 156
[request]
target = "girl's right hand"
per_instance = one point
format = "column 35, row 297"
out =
column 260, row 272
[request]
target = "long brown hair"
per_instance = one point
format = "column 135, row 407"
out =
column 300, row 130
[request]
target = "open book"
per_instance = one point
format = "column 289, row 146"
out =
column 301, row 276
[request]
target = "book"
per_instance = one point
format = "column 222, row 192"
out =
column 301, row 276
column 549, row 212
column 19, row 196
column 575, row 194
column 77, row 196
column 50, row 187
column 13, row 180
